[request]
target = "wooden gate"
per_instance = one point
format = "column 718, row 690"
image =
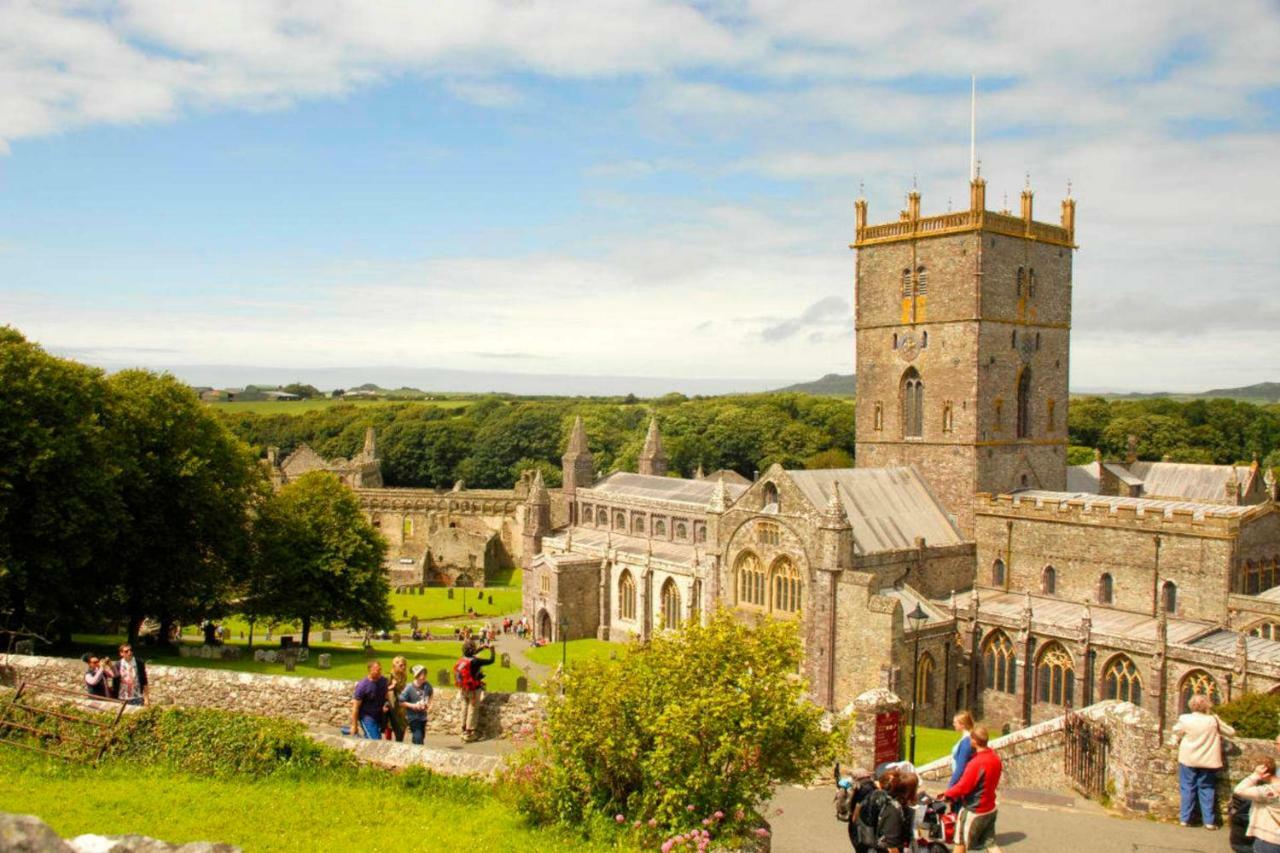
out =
column 1085, row 755
column 59, row 722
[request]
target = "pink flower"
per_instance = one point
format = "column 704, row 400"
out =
column 689, row 807
column 636, row 824
column 619, row 818
column 719, row 815
column 666, row 846
column 762, row 832
column 706, row 821
column 653, row 822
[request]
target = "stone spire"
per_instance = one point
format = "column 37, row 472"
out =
column 835, row 534
column 699, row 474
column 835, row 517
column 578, row 467
column 538, row 491
column 370, row 450
column 578, row 438
column 653, row 459
column 537, row 517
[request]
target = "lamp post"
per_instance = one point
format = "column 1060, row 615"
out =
column 916, row 619
column 564, row 650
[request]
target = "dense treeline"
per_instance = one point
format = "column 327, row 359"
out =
column 124, row 498
column 488, row 443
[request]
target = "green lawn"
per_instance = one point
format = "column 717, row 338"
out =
column 285, row 812
column 348, row 663
column 434, row 603
column 932, row 743
column 578, row 650
column 297, row 407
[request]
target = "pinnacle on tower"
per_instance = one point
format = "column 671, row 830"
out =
column 538, row 491
column 835, row 516
column 578, row 440
column 699, row 474
column 370, row 450
column 653, row 459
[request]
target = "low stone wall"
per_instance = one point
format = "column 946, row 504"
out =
column 398, row 755
column 313, row 701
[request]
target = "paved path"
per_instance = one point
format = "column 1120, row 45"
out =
column 1030, row 822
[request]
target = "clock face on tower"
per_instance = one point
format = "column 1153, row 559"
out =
column 909, row 346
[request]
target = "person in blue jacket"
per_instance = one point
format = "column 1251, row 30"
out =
column 963, row 750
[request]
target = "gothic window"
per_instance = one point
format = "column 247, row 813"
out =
column 750, row 580
column 999, row 666
column 1169, row 597
column 1053, row 421
column 997, row 573
column 1024, row 403
column 1055, row 676
column 682, row 531
column 699, row 531
column 906, row 284
column 1106, row 589
column 670, row 605
column 659, row 528
column 922, row 281
column 586, row 515
column 619, row 521
column 1121, row 680
column 637, row 524
column 602, row 517
column 1198, row 681
column 786, row 586
column 544, row 584
column 770, row 498
column 912, row 404
column 924, row 679
column 407, row 527
column 1266, row 630
column 924, row 340
column 1049, row 581
column 768, row 533
column 947, row 417
column 1021, row 272
column 626, row 595
column 879, row 416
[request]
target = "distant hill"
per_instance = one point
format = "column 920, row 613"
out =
column 831, row 385
column 1261, row 392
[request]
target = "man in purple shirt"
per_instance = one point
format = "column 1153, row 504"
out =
column 369, row 704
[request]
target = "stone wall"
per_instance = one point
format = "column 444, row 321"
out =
column 322, row 702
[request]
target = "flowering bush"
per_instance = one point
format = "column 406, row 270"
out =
column 685, row 736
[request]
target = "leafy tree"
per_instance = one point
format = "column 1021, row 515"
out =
column 186, row 485
column 834, row 458
column 698, row 722
column 1077, row 455
column 424, row 453
column 318, row 559
column 304, row 391
column 58, row 507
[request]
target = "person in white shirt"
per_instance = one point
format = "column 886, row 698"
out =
column 1199, row 760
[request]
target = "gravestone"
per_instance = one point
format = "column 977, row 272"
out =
column 450, row 593
column 326, row 636
column 290, row 660
column 422, row 590
column 325, row 661
column 260, row 655
column 522, row 684
column 271, row 656
column 506, row 660
column 406, row 614
column 395, row 638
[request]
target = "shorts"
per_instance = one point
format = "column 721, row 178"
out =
column 975, row 831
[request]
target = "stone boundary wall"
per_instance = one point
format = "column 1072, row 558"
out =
column 316, row 702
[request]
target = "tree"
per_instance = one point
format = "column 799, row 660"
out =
column 186, row 486
column 304, row 391
column 59, row 511
column 317, row 558
column 699, row 722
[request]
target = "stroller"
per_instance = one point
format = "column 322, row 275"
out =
column 935, row 825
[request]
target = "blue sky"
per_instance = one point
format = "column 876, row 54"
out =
column 618, row 188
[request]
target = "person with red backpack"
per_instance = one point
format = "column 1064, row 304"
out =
column 468, row 677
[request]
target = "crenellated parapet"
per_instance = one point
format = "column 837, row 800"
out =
column 1200, row 519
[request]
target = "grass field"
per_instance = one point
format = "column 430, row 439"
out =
column 348, row 662
column 932, row 743
column 295, row 407
column 549, row 655
column 282, row 814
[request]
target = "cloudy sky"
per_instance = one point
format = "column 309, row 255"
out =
column 619, row 188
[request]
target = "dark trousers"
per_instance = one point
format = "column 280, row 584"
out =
column 418, row 730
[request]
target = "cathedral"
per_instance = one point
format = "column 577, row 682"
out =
column 1026, row 586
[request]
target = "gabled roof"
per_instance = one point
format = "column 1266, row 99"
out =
column 303, row 459
column 1088, row 477
column 888, row 508
column 1188, row 481
column 695, row 493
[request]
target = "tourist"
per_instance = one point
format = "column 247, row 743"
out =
column 468, row 677
column 415, row 699
column 398, row 681
column 1199, row 759
column 369, row 704
column 129, row 683
column 97, row 676
column 894, row 823
column 963, row 749
column 859, row 786
column 976, row 793
column 1262, row 789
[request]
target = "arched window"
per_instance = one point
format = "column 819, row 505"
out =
column 912, row 404
column 999, row 666
column 586, row 515
column 770, row 497
column 895, row 340
column 659, row 528
column 879, row 416
column 906, row 284
column 1024, row 403
column 1169, row 597
column 619, row 521
column 924, row 340
column 922, row 281
column 637, row 524
column 1198, row 681
column 699, row 531
column 1049, row 581
column 1266, row 630
column 997, row 573
column 1106, row 589
column 670, row 605
column 1055, row 676
column 626, row 595
column 924, row 679
column 785, row 585
column 406, row 527
column 1121, row 680
column 602, row 517
column 682, row 532
column 948, row 418
column 751, row 588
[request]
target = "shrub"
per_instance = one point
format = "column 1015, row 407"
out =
column 1253, row 714
column 687, row 733
column 207, row 741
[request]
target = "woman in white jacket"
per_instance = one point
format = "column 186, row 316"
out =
column 1200, row 759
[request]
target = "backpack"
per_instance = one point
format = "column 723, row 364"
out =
column 463, row 678
column 869, row 818
column 844, row 803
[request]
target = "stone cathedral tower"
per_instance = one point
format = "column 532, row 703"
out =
column 963, row 323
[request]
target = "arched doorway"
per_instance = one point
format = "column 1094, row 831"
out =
column 544, row 626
